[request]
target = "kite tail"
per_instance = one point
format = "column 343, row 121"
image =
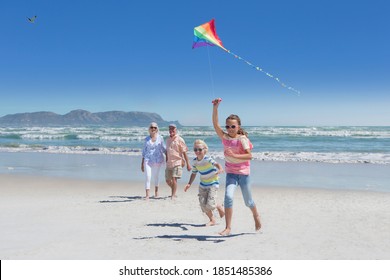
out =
column 265, row 72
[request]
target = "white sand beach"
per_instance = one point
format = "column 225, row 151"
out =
column 56, row 218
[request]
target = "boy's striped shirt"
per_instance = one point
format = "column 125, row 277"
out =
column 207, row 170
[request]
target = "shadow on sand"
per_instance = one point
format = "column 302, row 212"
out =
column 181, row 237
column 116, row 199
column 184, row 226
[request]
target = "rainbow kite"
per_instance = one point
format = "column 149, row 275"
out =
column 205, row 34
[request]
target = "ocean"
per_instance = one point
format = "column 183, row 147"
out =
column 342, row 158
column 342, row 144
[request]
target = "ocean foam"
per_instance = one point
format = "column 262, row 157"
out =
column 279, row 144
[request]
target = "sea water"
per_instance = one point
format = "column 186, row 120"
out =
column 344, row 144
column 331, row 157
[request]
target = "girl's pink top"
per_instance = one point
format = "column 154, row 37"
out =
column 238, row 146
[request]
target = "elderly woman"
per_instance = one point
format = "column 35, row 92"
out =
column 152, row 158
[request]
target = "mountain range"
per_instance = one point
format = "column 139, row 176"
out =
column 84, row 118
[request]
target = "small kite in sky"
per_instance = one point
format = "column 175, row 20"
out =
column 206, row 34
column 32, row 19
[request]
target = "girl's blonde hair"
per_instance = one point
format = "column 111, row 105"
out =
column 237, row 118
column 202, row 143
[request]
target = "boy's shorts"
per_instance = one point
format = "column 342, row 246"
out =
column 208, row 198
column 174, row 172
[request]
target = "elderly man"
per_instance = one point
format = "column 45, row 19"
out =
column 176, row 151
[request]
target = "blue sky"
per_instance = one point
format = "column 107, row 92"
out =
column 136, row 56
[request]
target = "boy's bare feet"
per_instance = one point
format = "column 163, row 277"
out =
column 221, row 211
column 225, row 232
column 211, row 223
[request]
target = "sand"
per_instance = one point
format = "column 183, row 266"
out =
column 48, row 218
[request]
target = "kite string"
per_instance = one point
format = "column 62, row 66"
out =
column 211, row 73
column 266, row 73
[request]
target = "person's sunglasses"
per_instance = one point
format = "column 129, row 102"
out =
column 198, row 150
column 153, row 127
column 230, row 126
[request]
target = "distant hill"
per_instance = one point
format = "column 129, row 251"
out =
column 84, row 118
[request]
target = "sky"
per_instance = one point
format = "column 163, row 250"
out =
column 137, row 56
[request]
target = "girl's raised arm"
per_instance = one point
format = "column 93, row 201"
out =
column 217, row 128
